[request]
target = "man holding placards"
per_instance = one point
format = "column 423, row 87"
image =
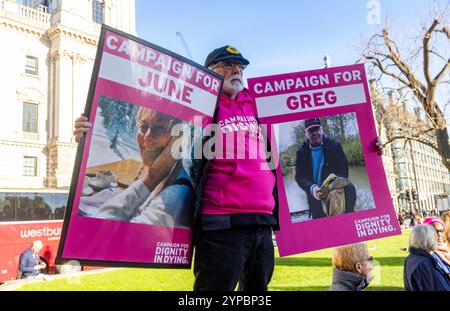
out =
column 234, row 237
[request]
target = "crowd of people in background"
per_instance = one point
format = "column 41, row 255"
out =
column 427, row 267
column 408, row 219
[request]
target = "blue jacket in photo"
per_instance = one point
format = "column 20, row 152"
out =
column 27, row 262
column 421, row 273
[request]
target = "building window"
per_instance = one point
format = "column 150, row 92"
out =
column 30, row 118
column 29, row 166
column 31, row 65
column 41, row 5
column 97, row 11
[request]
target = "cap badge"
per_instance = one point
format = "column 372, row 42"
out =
column 232, row 50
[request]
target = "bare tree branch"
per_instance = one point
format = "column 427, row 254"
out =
column 426, row 51
column 445, row 30
column 435, row 53
column 399, row 123
column 416, row 53
column 407, row 138
column 442, row 73
column 402, row 66
column 380, row 66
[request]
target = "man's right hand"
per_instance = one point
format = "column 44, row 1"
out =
column 37, row 267
column 316, row 193
column 82, row 126
column 379, row 145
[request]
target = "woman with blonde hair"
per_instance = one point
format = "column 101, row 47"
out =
column 422, row 271
column 352, row 267
column 162, row 193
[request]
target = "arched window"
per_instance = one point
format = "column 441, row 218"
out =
column 98, row 10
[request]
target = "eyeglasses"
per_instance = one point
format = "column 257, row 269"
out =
column 155, row 130
column 441, row 231
column 228, row 64
column 369, row 259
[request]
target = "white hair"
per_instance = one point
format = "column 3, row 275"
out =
column 423, row 237
column 37, row 244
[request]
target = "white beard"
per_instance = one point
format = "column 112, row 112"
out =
column 233, row 87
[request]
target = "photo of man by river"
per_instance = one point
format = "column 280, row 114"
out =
column 323, row 167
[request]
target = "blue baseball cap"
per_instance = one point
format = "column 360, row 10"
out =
column 223, row 53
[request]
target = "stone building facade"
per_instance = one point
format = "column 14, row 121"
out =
column 47, row 54
column 414, row 167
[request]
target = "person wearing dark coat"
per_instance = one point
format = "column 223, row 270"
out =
column 317, row 158
column 422, row 271
column 352, row 268
column 347, row 281
column 30, row 263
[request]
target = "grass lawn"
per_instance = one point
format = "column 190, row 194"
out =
column 309, row 271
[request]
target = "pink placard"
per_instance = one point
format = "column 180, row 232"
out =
column 132, row 197
column 324, row 126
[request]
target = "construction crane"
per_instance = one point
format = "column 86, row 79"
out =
column 327, row 61
column 184, row 44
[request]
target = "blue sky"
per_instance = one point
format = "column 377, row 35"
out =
column 276, row 36
column 286, row 35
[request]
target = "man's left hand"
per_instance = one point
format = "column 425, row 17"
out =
column 379, row 145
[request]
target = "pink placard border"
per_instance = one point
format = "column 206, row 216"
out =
column 300, row 237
